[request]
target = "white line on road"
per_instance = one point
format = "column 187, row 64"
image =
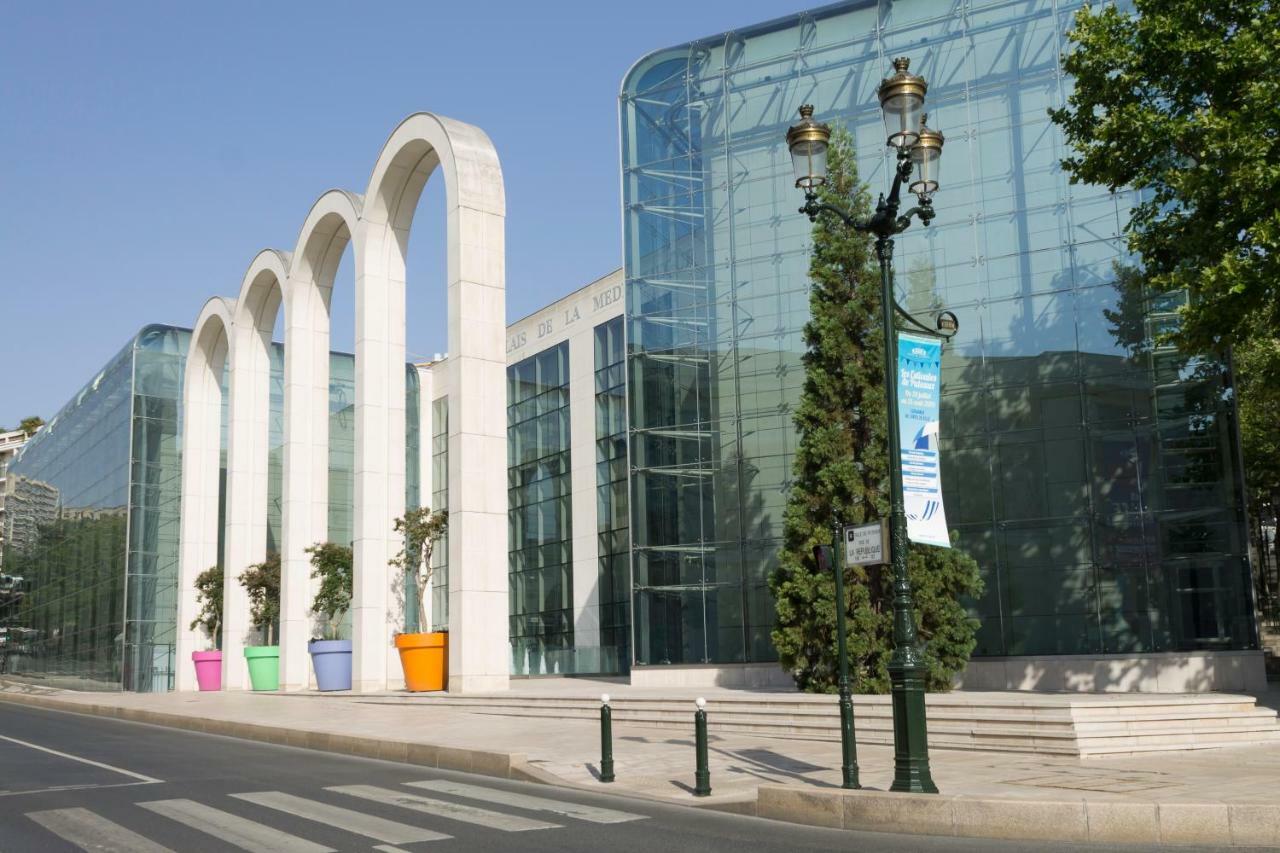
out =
column 524, row 801
column 352, row 821
column 129, row 773
column 233, row 829
column 96, row 834
column 443, row 808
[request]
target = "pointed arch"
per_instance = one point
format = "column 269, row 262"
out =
column 322, row 241
column 207, row 358
column 476, row 297
column 262, row 291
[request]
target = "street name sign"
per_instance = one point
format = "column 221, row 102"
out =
column 866, row 544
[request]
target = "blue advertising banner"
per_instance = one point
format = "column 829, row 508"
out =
column 919, row 386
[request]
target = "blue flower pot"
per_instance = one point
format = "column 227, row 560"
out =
column 332, row 662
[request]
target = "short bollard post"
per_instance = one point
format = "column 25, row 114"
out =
column 702, row 777
column 606, row 740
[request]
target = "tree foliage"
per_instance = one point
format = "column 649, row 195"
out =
column 262, row 582
column 331, row 564
column 1181, row 99
column 209, row 598
column 421, row 528
column 27, row 425
column 841, row 473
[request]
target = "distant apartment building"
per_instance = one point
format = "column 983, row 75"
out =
column 9, row 444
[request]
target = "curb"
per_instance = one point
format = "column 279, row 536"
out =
column 504, row 765
column 1083, row 821
column 1096, row 821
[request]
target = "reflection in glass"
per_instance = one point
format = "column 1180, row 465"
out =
column 1092, row 474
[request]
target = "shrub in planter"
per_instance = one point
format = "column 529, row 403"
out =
column 262, row 582
column 331, row 564
column 208, row 663
column 423, row 655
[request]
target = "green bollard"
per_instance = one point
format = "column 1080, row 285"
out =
column 606, row 740
column 702, row 777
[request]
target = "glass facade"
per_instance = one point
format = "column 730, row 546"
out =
column 92, row 517
column 440, row 503
column 1093, row 476
column 540, row 514
column 612, row 519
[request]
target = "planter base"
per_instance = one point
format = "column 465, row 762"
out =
column 208, row 670
column 264, row 666
column 331, row 660
column 425, row 660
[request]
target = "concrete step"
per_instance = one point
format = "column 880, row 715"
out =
column 1060, row 724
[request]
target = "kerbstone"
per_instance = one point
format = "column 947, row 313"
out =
column 1194, row 823
column 892, row 812
column 1123, row 823
column 1023, row 819
column 815, row 808
column 1254, row 824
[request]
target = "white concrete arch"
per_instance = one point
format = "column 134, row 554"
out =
column 261, row 295
column 323, row 239
column 201, row 451
column 476, row 294
column 378, row 227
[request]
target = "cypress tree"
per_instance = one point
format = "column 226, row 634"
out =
column 840, row 472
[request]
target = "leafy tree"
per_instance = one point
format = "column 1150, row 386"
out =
column 262, row 582
column 1181, row 98
column 331, row 564
column 209, row 596
column 422, row 528
column 841, row 473
column 31, row 424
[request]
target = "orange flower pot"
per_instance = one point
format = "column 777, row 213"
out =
column 425, row 660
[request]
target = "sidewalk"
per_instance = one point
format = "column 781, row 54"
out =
column 1220, row 796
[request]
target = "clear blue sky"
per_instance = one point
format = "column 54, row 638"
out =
column 149, row 150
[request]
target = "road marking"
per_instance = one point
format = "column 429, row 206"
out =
column 442, row 808
column 71, row 788
column 387, row 848
column 95, row 834
column 233, row 829
column 524, row 801
column 129, row 773
column 361, row 824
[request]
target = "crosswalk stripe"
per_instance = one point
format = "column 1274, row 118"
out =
column 92, row 833
column 369, row 826
column 443, row 808
column 524, row 801
column 233, row 829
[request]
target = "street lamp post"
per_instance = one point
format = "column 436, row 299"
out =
column 902, row 102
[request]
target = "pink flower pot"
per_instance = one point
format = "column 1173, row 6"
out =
column 208, row 669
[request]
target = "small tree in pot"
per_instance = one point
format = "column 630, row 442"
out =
column 262, row 582
column 331, row 564
column 422, row 529
column 208, row 663
column 423, row 655
column 208, row 586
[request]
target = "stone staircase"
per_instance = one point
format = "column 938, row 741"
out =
column 1081, row 725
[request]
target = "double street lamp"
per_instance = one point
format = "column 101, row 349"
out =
column 918, row 150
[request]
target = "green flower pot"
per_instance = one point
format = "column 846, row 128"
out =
column 264, row 666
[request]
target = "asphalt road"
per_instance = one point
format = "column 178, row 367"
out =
column 72, row 782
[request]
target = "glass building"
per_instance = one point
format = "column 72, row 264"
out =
column 92, row 516
column 1094, row 476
